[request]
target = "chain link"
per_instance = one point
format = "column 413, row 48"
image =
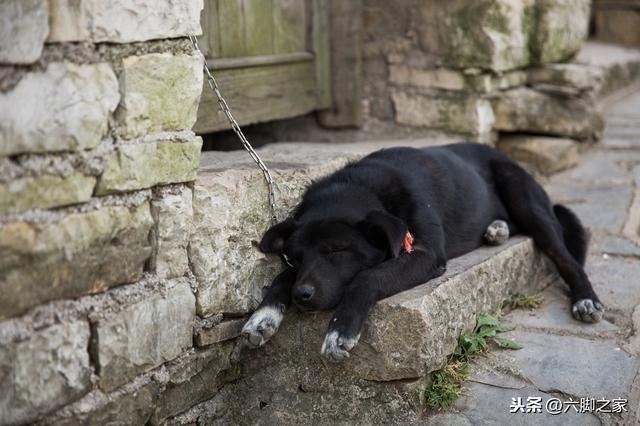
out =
column 238, row 131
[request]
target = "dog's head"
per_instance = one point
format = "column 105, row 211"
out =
column 327, row 254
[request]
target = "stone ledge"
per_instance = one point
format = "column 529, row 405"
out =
column 230, row 213
column 406, row 337
column 123, row 21
column 25, row 24
column 412, row 333
column 618, row 66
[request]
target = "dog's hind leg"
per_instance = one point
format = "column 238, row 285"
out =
column 531, row 211
column 267, row 318
column 497, row 233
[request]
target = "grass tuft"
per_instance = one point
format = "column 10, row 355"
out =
column 446, row 384
column 446, row 387
column 522, row 301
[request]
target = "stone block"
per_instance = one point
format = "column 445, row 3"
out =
column 527, row 110
column 143, row 164
column 44, row 191
column 172, row 212
column 576, row 76
column 561, row 28
column 619, row 67
column 547, row 155
column 461, row 113
column 405, row 337
column 64, row 108
column 123, row 21
column 440, row 78
column 23, row 30
column 193, row 378
column 225, row 330
column 160, row 92
column 81, row 253
column 412, row 333
column 44, row 372
column 502, row 35
column 485, row 34
column 132, row 404
column 143, row 335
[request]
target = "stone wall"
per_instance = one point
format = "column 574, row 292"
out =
column 97, row 160
column 479, row 68
column 125, row 278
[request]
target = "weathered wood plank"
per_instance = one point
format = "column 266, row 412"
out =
column 320, row 48
column 231, row 23
column 289, row 25
column 258, row 26
column 209, row 41
column 259, row 94
column 346, row 65
column 257, row 61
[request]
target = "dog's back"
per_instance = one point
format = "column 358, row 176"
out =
column 454, row 181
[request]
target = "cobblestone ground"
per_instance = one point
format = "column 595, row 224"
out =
column 563, row 359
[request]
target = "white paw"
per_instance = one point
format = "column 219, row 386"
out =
column 587, row 310
column 497, row 233
column 336, row 347
column 262, row 325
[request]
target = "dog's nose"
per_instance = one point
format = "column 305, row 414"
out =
column 304, row 293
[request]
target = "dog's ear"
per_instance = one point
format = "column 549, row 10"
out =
column 274, row 239
column 385, row 231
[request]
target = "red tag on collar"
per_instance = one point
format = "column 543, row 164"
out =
column 407, row 244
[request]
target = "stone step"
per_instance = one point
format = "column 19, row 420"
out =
column 610, row 67
column 406, row 337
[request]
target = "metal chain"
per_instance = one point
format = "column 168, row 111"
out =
column 245, row 143
column 238, row 131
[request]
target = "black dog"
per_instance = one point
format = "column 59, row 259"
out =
column 350, row 239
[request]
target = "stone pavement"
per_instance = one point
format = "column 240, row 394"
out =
column 562, row 358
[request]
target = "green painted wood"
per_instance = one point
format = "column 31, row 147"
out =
column 258, row 26
column 210, row 40
column 260, row 93
column 290, row 25
column 231, row 24
column 271, row 59
column 346, row 65
column 320, row 47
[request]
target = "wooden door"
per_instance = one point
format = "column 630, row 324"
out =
column 269, row 57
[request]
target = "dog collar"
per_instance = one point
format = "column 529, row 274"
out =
column 407, row 243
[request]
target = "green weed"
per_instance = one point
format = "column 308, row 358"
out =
column 522, row 301
column 446, row 385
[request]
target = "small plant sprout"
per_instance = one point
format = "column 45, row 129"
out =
column 446, row 385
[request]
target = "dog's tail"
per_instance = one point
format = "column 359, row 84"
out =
column 575, row 236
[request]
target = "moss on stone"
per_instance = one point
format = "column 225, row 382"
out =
column 143, row 165
column 44, row 192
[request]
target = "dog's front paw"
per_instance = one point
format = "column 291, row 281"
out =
column 336, row 346
column 587, row 310
column 262, row 325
